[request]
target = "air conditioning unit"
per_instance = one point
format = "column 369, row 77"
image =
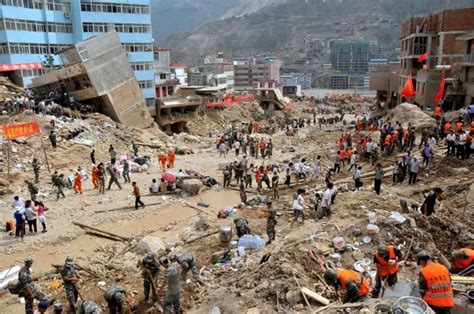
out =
column 67, row 15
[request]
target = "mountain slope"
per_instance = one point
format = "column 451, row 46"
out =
column 281, row 29
column 170, row 16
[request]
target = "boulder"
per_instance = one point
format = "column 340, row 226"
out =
column 293, row 297
column 151, row 244
column 192, row 187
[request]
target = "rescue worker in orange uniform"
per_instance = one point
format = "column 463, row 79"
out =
column 462, row 259
column 342, row 157
column 355, row 285
column 171, row 157
column 95, row 177
column 386, row 259
column 435, row 284
column 447, row 128
column 162, row 158
column 437, row 112
column 77, row 186
column 459, row 125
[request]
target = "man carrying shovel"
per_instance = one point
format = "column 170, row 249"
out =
column 150, row 270
column 386, row 259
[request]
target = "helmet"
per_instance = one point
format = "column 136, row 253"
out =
column 459, row 254
column 58, row 306
column 28, row 260
column 330, row 276
column 423, row 255
column 171, row 257
column 382, row 250
column 69, row 260
column 163, row 260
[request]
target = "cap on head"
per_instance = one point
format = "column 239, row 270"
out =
column 69, row 260
column 28, row 260
column 330, row 276
column 43, row 304
column 423, row 255
column 382, row 250
column 58, row 306
column 171, row 257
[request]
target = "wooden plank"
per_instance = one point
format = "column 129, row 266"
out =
column 462, row 279
column 201, row 237
column 315, row 296
column 84, row 226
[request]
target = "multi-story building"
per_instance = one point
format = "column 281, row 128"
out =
column 467, row 69
column 249, row 71
column 218, row 71
column 165, row 83
column 350, row 57
column 302, row 79
column 434, row 35
column 179, row 72
column 384, row 80
column 33, row 31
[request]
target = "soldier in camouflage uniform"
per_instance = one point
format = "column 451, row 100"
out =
column 58, row 308
column 116, row 297
column 70, row 277
column 33, row 189
column 27, row 288
column 36, row 169
column 58, row 183
column 242, row 226
column 187, row 262
column 89, row 307
column 271, row 222
column 171, row 304
column 151, row 269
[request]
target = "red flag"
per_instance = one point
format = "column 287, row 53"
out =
column 440, row 94
column 423, row 57
column 408, row 89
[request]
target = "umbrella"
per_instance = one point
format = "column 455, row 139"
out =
column 169, row 177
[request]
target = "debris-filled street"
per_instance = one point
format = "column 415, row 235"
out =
column 107, row 236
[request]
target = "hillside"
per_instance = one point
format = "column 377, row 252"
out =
column 281, row 29
column 170, row 16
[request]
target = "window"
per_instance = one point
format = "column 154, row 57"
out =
column 119, row 28
column 87, row 6
column 162, row 76
column 145, row 84
column 35, row 26
column 40, row 49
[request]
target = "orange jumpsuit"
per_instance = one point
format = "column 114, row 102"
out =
column 95, row 177
column 171, row 156
column 77, row 187
column 163, row 159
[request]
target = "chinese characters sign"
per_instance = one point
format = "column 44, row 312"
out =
column 20, row 66
column 21, row 129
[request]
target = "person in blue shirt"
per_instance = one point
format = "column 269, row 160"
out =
column 20, row 223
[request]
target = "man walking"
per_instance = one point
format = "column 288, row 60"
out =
column 36, row 169
column 32, row 189
column 414, row 168
column 379, row 173
column 271, row 222
column 113, row 176
column 113, row 155
column 136, row 193
column 126, row 171
column 53, row 139
column 93, row 156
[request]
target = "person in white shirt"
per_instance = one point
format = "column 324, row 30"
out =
column 357, row 181
column 353, row 161
column 154, row 188
column 460, row 145
column 317, row 166
column 237, row 148
column 222, row 150
column 326, row 201
column 450, row 139
column 298, row 206
column 18, row 202
column 432, row 142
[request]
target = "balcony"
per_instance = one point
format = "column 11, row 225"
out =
column 469, row 59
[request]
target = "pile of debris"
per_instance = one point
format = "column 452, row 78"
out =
column 9, row 90
column 409, row 114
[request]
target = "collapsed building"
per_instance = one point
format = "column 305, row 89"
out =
column 97, row 72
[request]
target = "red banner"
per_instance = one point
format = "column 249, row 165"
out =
column 440, row 94
column 21, row 129
column 20, row 66
column 408, row 89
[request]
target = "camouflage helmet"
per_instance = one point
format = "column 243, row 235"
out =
column 423, row 255
column 28, row 261
column 69, row 260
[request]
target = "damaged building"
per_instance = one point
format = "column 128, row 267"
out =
column 97, row 72
column 173, row 113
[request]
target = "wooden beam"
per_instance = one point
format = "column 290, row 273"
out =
column 101, row 235
column 84, row 226
column 201, row 237
column 315, row 296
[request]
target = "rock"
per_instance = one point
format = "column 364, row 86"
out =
column 358, row 255
column 293, row 297
column 192, row 186
column 151, row 244
column 298, row 307
column 202, row 224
